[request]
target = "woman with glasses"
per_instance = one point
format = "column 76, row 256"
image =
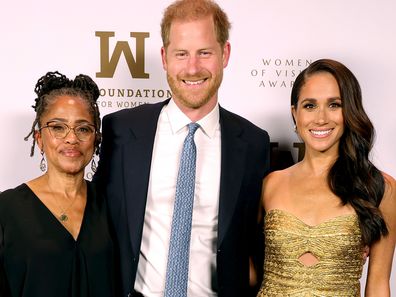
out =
column 54, row 237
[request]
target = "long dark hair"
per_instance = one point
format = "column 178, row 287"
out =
column 55, row 84
column 352, row 177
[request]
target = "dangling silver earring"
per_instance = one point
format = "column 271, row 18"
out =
column 93, row 165
column 295, row 128
column 43, row 163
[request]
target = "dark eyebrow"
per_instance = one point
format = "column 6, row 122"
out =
column 334, row 98
column 308, row 99
column 315, row 100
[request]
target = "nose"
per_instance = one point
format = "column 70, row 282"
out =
column 71, row 136
column 321, row 116
column 192, row 65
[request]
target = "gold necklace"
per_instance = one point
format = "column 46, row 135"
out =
column 63, row 217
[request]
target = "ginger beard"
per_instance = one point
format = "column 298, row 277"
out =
column 195, row 91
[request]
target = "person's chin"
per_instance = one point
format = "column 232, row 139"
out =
column 73, row 168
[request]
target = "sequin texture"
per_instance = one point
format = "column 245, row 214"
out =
column 336, row 244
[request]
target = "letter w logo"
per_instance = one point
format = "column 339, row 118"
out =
column 108, row 64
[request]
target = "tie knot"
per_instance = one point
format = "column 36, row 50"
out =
column 192, row 127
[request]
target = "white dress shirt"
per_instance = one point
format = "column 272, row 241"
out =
column 171, row 132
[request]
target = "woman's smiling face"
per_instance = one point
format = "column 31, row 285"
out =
column 318, row 114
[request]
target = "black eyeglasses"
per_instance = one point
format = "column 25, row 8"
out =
column 60, row 130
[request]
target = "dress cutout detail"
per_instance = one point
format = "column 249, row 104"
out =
column 336, row 243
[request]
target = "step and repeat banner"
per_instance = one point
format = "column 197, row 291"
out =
column 118, row 44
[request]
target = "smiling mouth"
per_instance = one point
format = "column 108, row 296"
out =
column 321, row 133
column 194, row 83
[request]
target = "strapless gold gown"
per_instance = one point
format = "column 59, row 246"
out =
column 336, row 244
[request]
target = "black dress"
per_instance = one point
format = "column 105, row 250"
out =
column 40, row 258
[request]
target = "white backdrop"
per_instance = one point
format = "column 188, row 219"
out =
column 271, row 41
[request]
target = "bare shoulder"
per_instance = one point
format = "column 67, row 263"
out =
column 388, row 202
column 279, row 176
column 274, row 178
column 275, row 184
column 390, row 189
column 390, row 182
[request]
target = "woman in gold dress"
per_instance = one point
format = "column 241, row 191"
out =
column 322, row 212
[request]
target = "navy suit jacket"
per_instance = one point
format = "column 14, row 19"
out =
column 124, row 171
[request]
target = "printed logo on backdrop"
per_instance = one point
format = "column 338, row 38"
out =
column 273, row 73
column 114, row 98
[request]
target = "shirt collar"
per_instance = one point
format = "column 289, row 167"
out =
column 178, row 120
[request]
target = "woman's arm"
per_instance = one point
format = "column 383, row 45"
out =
column 381, row 252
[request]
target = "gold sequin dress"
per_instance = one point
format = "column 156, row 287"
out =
column 336, row 244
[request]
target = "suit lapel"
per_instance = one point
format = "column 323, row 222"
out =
column 233, row 154
column 137, row 154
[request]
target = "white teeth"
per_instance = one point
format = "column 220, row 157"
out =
column 320, row 132
column 194, row 82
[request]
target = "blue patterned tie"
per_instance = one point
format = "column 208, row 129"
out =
column 179, row 246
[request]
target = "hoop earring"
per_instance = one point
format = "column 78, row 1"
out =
column 43, row 163
column 93, row 165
